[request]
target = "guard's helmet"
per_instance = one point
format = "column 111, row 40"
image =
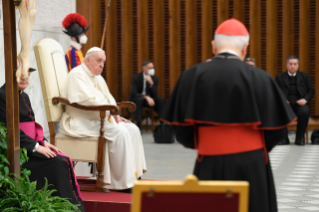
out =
column 75, row 25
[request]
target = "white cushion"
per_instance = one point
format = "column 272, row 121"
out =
column 78, row 149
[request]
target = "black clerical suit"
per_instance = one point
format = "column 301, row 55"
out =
column 56, row 170
column 228, row 94
column 138, row 98
column 295, row 88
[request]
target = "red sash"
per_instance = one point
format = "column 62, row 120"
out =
column 33, row 130
column 222, row 140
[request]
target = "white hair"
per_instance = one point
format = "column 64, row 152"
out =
column 92, row 50
column 235, row 41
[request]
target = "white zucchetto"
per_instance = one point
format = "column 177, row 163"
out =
column 94, row 49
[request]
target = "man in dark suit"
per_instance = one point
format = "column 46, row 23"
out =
column 298, row 90
column 144, row 91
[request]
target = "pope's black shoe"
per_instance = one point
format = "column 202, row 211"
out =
column 128, row 190
column 284, row 142
column 300, row 142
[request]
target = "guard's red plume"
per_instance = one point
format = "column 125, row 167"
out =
column 74, row 18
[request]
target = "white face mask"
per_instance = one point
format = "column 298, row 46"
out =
column 151, row 71
column 83, row 39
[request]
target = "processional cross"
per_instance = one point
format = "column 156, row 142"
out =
column 14, row 74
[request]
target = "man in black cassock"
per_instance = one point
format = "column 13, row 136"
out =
column 233, row 114
column 43, row 161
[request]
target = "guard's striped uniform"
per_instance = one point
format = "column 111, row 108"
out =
column 73, row 57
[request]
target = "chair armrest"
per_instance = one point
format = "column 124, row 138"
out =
column 126, row 104
column 114, row 110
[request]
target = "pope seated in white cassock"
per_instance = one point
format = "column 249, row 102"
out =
column 85, row 85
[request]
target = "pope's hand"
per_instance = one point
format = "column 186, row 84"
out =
column 46, row 152
column 150, row 101
column 125, row 120
column 50, row 146
column 301, row 102
column 118, row 119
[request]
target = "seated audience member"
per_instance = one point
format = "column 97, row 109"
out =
column 298, row 89
column 45, row 160
column 124, row 146
column 250, row 61
column 144, row 91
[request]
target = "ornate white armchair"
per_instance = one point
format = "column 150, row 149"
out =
column 53, row 72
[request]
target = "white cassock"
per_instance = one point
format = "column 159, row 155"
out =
column 126, row 160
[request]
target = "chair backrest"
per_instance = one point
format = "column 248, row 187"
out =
column 190, row 195
column 53, row 72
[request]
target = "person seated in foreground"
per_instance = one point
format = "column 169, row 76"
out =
column 85, row 86
column 45, row 160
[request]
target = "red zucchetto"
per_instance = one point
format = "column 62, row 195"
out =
column 232, row 27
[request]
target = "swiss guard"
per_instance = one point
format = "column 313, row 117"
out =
column 75, row 26
column 233, row 114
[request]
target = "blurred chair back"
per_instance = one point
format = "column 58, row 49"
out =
column 190, row 195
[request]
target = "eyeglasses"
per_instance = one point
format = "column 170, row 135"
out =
column 250, row 59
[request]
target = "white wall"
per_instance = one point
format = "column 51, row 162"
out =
column 50, row 12
column 47, row 25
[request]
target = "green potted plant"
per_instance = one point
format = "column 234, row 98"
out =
column 19, row 194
